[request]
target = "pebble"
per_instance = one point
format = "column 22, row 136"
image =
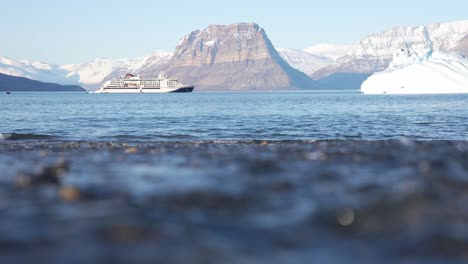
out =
column 69, row 193
column 131, row 150
column 201, row 202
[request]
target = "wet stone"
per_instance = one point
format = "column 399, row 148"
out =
column 332, row 201
column 69, row 194
column 47, row 174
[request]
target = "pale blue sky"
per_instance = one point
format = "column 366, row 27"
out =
column 60, row 31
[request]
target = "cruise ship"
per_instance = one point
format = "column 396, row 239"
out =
column 134, row 84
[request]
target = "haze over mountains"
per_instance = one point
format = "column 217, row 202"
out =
column 242, row 57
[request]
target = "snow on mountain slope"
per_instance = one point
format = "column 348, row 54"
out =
column 92, row 72
column 89, row 75
column 155, row 60
column 374, row 53
column 432, row 36
column 38, row 65
column 9, row 62
column 96, row 71
column 34, row 70
column 303, row 61
column 421, row 71
column 330, row 51
column 462, row 47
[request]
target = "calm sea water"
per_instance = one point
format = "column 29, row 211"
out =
column 234, row 116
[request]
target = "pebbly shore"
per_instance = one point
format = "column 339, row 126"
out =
column 394, row 201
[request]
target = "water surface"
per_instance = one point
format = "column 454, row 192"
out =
column 234, row 116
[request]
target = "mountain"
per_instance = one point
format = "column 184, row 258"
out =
column 92, row 74
column 309, row 63
column 422, row 71
column 233, row 57
column 329, row 51
column 241, row 57
column 303, row 61
column 462, row 46
column 20, row 84
column 374, row 53
column 35, row 70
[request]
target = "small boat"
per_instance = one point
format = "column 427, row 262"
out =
column 8, row 92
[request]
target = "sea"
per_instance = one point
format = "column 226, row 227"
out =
column 201, row 116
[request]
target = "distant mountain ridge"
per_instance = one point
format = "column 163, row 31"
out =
column 35, row 70
column 91, row 74
column 375, row 52
column 20, row 84
column 330, row 51
column 241, row 57
column 305, row 62
column 95, row 72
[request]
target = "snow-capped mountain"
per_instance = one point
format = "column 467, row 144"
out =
column 34, row 70
column 421, row 71
column 374, row 53
column 330, row 51
column 305, row 62
column 93, row 73
column 224, row 55
column 90, row 74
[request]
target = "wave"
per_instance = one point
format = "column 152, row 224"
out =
column 17, row 136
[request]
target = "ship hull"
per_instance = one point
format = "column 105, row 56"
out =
column 186, row 89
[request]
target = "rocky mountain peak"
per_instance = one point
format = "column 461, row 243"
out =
column 235, row 57
column 222, row 44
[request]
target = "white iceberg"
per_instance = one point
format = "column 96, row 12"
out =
column 424, row 71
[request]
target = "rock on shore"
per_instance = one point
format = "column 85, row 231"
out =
column 397, row 201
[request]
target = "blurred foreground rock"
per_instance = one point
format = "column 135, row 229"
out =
column 395, row 201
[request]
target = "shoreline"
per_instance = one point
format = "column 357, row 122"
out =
column 256, row 201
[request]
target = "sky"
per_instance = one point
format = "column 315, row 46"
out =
column 62, row 32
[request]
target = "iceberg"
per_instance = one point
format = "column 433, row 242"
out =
column 423, row 71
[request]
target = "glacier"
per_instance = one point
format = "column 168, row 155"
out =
column 421, row 71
